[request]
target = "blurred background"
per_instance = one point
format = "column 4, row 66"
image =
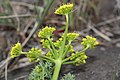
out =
column 20, row 21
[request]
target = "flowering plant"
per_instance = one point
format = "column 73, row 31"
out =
column 58, row 50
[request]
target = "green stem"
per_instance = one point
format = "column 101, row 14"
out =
column 58, row 64
column 70, row 62
column 51, row 52
column 48, row 58
column 43, row 56
column 64, row 54
column 65, row 35
column 53, row 48
column 75, row 54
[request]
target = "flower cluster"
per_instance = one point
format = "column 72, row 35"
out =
column 46, row 32
column 49, row 54
column 89, row 41
column 78, row 58
column 16, row 50
column 71, row 36
column 64, row 9
column 70, row 49
column 45, row 43
column 58, row 43
column 33, row 54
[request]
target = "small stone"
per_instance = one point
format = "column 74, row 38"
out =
column 118, row 45
column 102, row 49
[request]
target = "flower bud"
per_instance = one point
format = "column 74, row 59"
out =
column 46, row 32
column 64, row 9
column 33, row 54
column 89, row 41
column 16, row 50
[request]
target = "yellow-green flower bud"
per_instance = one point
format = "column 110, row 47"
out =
column 73, row 57
column 38, row 69
column 45, row 43
column 49, row 54
column 78, row 58
column 16, row 50
column 89, row 41
column 70, row 49
column 46, row 32
column 71, row 36
column 64, row 9
column 33, row 54
column 58, row 43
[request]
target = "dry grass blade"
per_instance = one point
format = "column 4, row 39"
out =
column 4, row 62
column 14, row 16
column 17, row 18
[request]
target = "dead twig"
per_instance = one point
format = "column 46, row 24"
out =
column 99, row 33
column 31, row 33
column 4, row 62
column 6, row 71
column 90, row 26
column 28, row 25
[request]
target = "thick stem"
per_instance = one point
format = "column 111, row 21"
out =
column 58, row 64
